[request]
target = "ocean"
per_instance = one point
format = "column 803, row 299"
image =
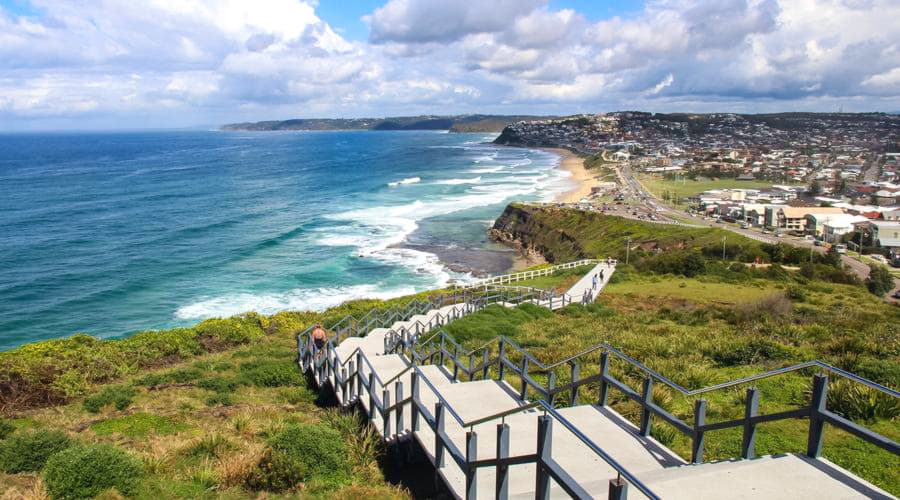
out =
column 114, row 233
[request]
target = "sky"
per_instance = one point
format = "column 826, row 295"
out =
column 115, row 64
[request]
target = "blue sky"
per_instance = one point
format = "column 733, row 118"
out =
column 104, row 64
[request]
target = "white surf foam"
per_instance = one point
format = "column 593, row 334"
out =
column 299, row 299
column 408, row 180
column 453, row 182
column 487, row 170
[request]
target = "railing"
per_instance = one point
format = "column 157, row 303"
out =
column 421, row 343
column 441, row 349
column 546, row 467
column 527, row 275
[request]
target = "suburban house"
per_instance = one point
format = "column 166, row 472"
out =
column 884, row 233
column 837, row 226
column 794, row 218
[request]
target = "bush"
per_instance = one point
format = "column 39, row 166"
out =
column 796, row 293
column 6, row 429
column 118, row 395
column 880, row 280
column 302, row 453
column 218, row 384
column 271, row 373
column 28, row 452
column 86, row 471
column 687, row 264
column 219, row 399
column 858, row 402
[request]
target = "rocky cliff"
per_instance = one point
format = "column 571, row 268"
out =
column 534, row 231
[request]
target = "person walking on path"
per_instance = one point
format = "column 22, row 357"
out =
column 594, row 283
column 601, row 276
column 319, row 337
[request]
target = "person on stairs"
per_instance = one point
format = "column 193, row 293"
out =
column 319, row 337
column 594, row 283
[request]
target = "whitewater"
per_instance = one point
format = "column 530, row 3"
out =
column 111, row 234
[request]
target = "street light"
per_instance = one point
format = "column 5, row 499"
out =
column 627, row 248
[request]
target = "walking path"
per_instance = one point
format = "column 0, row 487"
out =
column 468, row 429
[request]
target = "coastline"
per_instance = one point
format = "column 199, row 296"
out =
column 574, row 164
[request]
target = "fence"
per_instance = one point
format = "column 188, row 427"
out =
column 527, row 275
column 354, row 380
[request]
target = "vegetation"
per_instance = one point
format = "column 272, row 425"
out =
column 880, row 280
column 682, row 187
column 560, row 280
column 301, row 453
column 85, row 471
column 29, row 451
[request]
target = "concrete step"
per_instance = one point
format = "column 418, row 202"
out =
column 784, row 477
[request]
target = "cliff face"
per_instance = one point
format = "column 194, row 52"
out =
column 535, row 232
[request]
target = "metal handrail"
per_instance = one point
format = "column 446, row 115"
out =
column 502, row 414
column 530, row 274
column 447, row 406
column 621, row 470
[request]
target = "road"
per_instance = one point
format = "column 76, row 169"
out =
column 637, row 194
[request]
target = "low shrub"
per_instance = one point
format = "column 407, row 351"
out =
column 219, row 399
column 6, row 429
column 218, row 384
column 858, row 402
column 85, row 471
column 271, row 373
column 302, row 453
column 29, row 451
column 796, row 293
column 118, row 395
column 211, row 446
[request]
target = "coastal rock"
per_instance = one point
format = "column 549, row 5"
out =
column 533, row 237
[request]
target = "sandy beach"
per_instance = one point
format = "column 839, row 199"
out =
column 574, row 164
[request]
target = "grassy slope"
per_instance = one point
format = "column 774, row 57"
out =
column 572, row 234
column 560, row 281
column 194, row 446
column 707, row 330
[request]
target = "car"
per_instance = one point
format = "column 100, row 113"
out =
column 896, row 295
column 766, row 231
column 895, row 262
column 745, row 226
column 818, row 243
column 809, row 237
column 879, row 258
column 841, row 248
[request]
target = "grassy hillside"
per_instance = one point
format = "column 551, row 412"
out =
column 562, row 234
column 716, row 327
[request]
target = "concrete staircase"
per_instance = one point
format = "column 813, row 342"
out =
column 488, row 439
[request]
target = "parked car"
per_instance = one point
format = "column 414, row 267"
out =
column 745, row 226
column 841, row 248
column 818, row 243
column 896, row 295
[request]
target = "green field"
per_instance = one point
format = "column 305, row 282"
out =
column 686, row 188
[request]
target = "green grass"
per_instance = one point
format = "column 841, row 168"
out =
column 673, row 287
column 683, row 189
column 138, row 425
column 560, row 280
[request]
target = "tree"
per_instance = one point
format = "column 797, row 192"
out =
column 815, row 188
column 832, row 257
column 880, row 280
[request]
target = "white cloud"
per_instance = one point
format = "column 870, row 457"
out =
column 209, row 61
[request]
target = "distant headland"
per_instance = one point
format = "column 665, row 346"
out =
column 455, row 123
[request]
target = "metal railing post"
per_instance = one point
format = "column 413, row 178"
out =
column 816, row 420
column 438, row 441
column 751, row 409
column 551, row 384
column 371, row 390
column 575, row 373
column 385, row 413
column 502, row 486
column 501, row 367
column 343, row 386
column 485, row 357
column 618, row 489
column 352, row 371
column 699, row 435
column 646, row 415
column 398, row 391
column 544, row 449
column 414, row 408
column 604, row 373
column 523, row 394
column 471, row 471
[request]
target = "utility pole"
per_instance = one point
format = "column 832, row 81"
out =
column 627, row 248
column 723, row 248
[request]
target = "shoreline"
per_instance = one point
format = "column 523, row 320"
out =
column 574, row 164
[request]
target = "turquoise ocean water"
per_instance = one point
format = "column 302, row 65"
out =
column 110, row 234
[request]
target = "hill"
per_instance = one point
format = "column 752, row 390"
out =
column 455, row 123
